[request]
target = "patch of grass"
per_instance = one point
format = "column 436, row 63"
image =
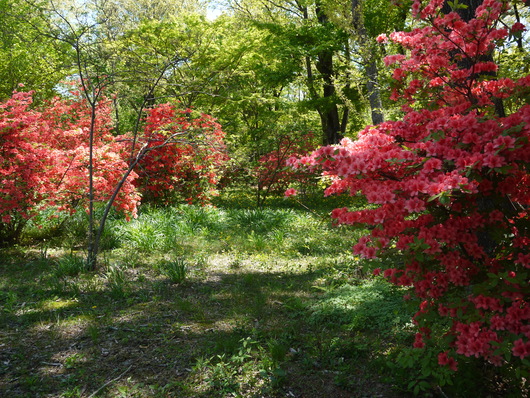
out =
column 116, row 281
column 231, row 375
column 273, row 305
column 176, row 270
column 70, row 265
column 74, row 360
column 143, row 235
column 374, row 305
column 8, row 301
column 259, row 221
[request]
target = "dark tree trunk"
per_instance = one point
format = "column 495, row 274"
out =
column 484, row 204
column 332, row 127
column 329, row 113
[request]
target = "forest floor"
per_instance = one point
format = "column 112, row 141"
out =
column 238, row 313
column 236, row 331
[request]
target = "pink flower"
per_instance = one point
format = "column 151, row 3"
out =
column 291, row 192
column 521, row 349
column 518, row 27
column 523, row 259
column 444, row 360
column 418, row 341
column 414, row 205
column 370, row 252
column 443, row 311
column 382, row 38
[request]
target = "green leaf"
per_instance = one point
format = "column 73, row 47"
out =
column 445, row 199
column 503, row 170
column 455, row 5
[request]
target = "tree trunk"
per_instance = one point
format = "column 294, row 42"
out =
column 329, row 112
column 485, row 204
column 372, row 79
column 332, row 127
column 374, row 96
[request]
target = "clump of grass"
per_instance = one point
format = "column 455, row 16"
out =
column 8, row 301
column 70, row 265
column 277, row 237
column 117, row 281
column 176, row 270
column 110, row 238
column 238, row 374
column 256, row 242
column 168, row 230
column 201, row 260
column 74, row 360
column 260, row 221
column 199, row 218
column 143, row 234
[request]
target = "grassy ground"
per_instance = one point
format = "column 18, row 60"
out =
column 230, row 301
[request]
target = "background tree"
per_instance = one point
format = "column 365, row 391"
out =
column 318, row 47
column 369, row 19
column 27, row 55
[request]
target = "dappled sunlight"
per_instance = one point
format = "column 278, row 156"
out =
column 57, row 303
column 235, row 320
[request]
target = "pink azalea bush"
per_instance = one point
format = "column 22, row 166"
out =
column 449, row 185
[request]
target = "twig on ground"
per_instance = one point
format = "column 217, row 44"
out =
column 441, row 392
column 109, row 382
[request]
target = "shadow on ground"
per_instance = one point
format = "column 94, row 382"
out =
column 237, row 332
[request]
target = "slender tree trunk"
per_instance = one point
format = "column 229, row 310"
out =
column 374, row 96
column 92, row 249
column 370, row 65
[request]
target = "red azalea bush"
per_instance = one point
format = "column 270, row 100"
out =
column 450, row 188
column 190, row 165
column 44, row 158
column 273, row 174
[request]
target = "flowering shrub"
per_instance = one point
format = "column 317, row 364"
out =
column 190, row 165
column 450, row 188
column 44, row 157
column 272, row 172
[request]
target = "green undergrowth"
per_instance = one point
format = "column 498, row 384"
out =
column 224, row 301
